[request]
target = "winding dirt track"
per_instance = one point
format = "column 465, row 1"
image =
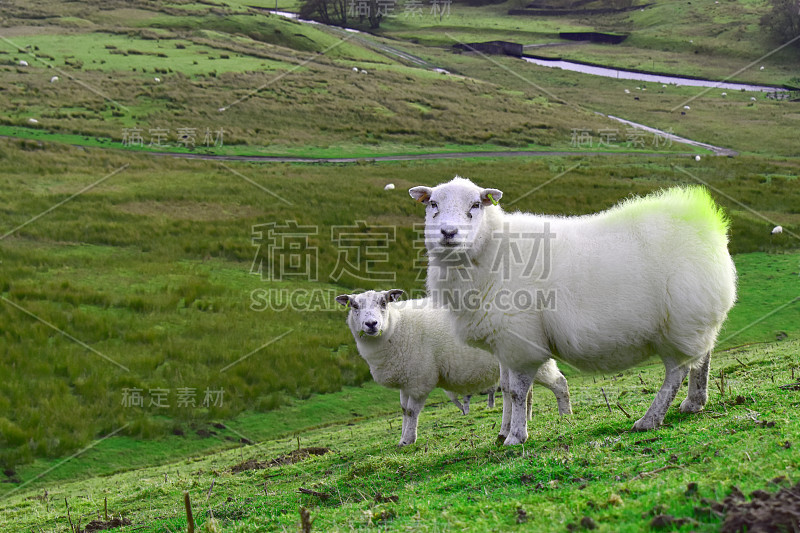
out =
column 410, row 157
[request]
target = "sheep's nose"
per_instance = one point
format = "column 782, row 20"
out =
column 371, row 323
column 449, row 231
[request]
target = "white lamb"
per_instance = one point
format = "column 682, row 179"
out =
column 410, row 345
column 602, row 292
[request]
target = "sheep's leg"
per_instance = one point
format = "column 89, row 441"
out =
column 413, row 408
column 698, row 387
column 519, row 384
column 490, row 399
column 673, row 379
column 529, row 404
column 551, row 377
column 505, row 426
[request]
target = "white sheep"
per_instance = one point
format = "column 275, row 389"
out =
column 54, row 79
column 777, row 229
column 23, row 63
column 388, row 187
column 410, row 345
column 602, row 292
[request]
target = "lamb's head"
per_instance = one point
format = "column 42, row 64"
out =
column 455, row 212
column 368, row 311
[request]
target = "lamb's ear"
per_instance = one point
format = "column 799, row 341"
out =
column 491, row 196
column 393, row 295
column 421, row 194
column 344, row 299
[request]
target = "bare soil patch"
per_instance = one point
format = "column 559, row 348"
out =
column 287, row 459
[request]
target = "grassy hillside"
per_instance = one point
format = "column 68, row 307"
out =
column 261, row 79
column 583, row 470
column 154, row 269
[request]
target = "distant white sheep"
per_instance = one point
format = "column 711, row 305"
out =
column 157, row 80
column 389, row 187
column 410, row 345
column 32, row 121
column 54, row 79
column 363, row 71
column 23, row 63
column 355, row 69
column 777, row 229
column 601, row 292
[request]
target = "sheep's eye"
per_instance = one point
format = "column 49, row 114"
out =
column 476, row 205
column 383, row 304
column 434, row 205
column 354, row 306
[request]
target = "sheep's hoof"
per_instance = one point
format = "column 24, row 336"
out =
column 644, row 424
column 513, row 439
column 404, row 443
column 501, row 438
column 690, row 406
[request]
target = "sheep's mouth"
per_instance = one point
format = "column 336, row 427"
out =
column 449, row 243
column 371, row 332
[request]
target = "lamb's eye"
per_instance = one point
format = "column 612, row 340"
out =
column 434, row 205
column 383, row 304
column 476, row 205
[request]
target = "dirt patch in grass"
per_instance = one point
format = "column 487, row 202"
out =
column 197, row 211
column 779, row 511
column 287, row 459
column 99, row 525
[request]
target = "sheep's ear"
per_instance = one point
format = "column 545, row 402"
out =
column 344, row 299
column 491, row 196
column 393, row 295
column 421, row 194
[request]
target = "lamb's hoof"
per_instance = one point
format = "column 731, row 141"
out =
column 501, row 438
column 690, row 406
column 513, row 440
column 644, row 424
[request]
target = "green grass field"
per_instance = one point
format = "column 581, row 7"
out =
column 455, row 477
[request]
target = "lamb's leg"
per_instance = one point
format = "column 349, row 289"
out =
column 698, row 387
column 413, row 408
column 673, row 379
column 465, row 408
column 519, row 384
column 551, row 377
column 505, row 426
column 454, row 398
column 403, row 405
column 490, row 398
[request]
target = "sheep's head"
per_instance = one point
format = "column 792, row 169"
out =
column 368, row 310
column 455, row 212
